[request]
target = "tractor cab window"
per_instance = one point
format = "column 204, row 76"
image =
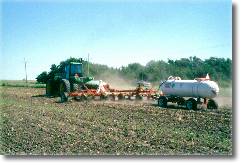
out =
column 76, row 69
column 67, row 68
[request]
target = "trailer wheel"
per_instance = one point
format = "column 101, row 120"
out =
column 162, row 102
column 191, row 104
column 64, row 90
column 212, row 104
column 181, row 101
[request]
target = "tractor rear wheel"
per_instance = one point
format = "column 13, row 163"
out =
column 48, row 89
column 191, row 104
column 162, row 102
column 64, row 90
column 212, row 104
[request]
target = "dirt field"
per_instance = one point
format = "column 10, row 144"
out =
column 34, row 124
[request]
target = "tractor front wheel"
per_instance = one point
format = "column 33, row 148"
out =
column 64, row 90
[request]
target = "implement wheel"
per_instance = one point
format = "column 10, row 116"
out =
column 138, row 97
column 111, row 97
column 64, row 90
column 103, row 97
column 162, row 102
column 120, row 96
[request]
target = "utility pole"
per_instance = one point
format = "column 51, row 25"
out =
column 88, row 64
column 25, row 67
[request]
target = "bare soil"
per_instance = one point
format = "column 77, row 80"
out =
column 35, row 124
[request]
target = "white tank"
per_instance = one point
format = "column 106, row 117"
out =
column 190, row 88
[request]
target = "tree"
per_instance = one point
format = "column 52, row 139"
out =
column 42, row 78
column 219, row 69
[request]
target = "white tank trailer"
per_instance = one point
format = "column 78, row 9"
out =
column 176, row 90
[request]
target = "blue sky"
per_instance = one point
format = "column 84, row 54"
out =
column 113, row 33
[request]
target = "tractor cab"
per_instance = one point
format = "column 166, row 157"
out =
column 74, row 73
column 73, row 69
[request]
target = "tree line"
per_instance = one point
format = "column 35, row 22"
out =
column 219, row 69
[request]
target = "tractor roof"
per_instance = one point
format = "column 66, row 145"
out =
column 75, row 63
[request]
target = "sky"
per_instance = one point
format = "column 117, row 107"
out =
column 114, row 33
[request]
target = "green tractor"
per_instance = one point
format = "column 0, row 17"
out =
column 69, row 80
